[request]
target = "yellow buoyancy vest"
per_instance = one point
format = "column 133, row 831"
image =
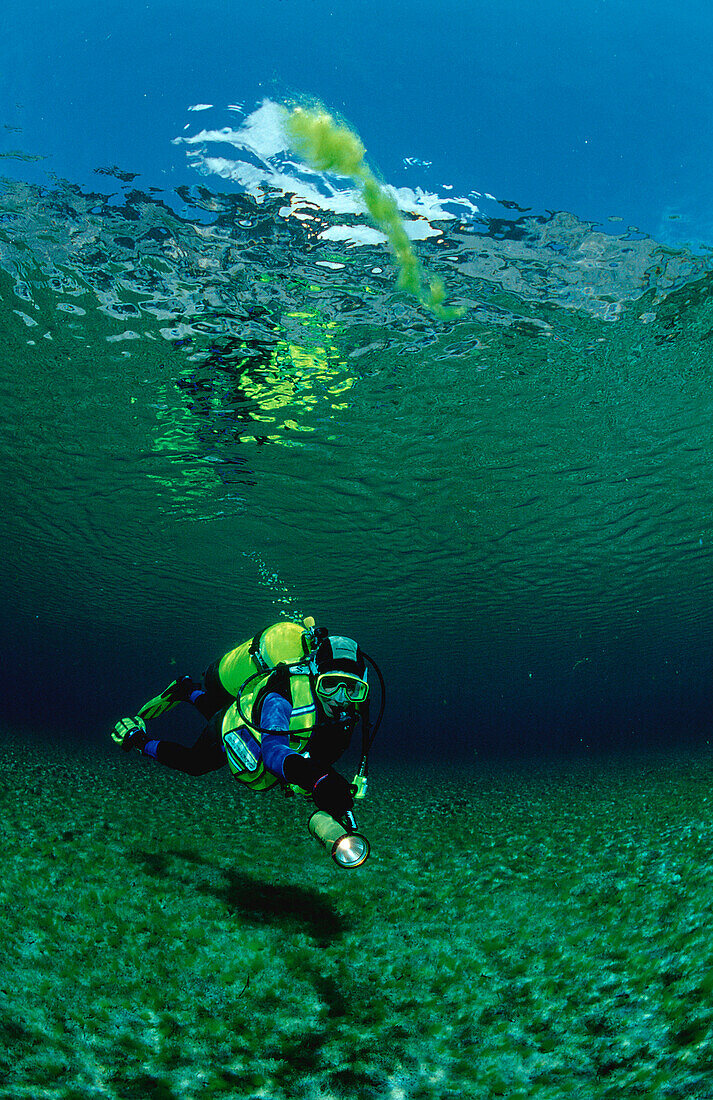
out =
column 242, row 744
column 282, row 643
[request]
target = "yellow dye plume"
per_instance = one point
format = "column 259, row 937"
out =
column 331, row 147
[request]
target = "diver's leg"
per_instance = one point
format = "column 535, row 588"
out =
column 207, row 698
column 206, row 755
column 212, row 696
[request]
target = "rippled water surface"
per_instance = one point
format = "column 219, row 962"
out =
column 217, row 407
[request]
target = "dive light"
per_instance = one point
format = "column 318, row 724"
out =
column 347, row 849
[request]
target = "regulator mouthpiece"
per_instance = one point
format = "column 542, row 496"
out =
column 348, row 850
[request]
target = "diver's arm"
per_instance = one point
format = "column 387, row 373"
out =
column 276, row 713
column 328, row 788
column 275, row 716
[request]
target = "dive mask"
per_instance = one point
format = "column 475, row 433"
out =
column 341, row 687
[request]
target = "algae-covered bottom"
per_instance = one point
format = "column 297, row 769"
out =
column 537, row 932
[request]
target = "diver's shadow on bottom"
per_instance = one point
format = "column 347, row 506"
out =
column 255, row 901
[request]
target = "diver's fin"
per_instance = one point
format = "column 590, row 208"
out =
column 165, row 701
column 129, row 733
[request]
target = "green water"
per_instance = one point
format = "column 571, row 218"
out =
column 207, row 426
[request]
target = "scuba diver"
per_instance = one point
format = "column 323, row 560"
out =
column 280, row 708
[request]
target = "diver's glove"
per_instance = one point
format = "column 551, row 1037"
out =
column 328, row 788
column 332, row 793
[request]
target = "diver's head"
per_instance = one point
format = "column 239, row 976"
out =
column 341, row 685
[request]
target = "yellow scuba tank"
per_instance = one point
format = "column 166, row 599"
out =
column 284, row 642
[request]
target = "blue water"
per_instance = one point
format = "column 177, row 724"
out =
column 601, row 108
